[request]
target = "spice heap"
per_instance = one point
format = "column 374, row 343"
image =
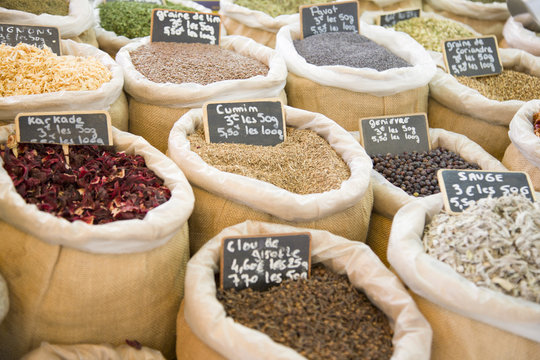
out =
column 131, row 19
column 304, row 163
column 275, row 8
column 347, row 49
column 416, row 172
column 52, row 7
column 98, row 187
column 323, row 317
column 28, row 70
column 495, row 243
column 431, row 32
column 536, row 123
column 203, row 64
column 508, row 85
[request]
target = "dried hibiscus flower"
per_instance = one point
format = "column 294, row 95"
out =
column 536, row 123
column 98, row 187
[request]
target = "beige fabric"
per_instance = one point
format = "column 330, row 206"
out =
column 493, row 138
column 92, row 352
column 519, row 37
column 267, row 38
column 521, row 132
column 515, row 161
column 4, row 299
column 207, row 319
column 62, row 295
column 346, row 107
column 441, row 285
column 456, row 337
column 227, row 198
column 378, row 234
column 88, row 37
column 212, row 213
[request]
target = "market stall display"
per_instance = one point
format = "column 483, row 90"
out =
column 411, row 338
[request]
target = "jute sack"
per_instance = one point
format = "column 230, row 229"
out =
column 109, row 96
column 71, row 282
column 224, row 199
column 487, row 19
column 469, row 322
column 110, row 42
column 206, row 319
column 77, row 25
column 345, row 94
column 519, row 37
column 154, row 107
column 4, row 299
column 458, row 108
column 94, row 352
column 523, row 154
column 388, row 198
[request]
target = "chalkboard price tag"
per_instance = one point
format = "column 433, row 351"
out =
column 460, row 187
column 392, row 18
column 185, row 27
column 472, row 56
column 39, row 36
column 395, row 134
column 330, row 17
column 260, row 262
column 253, row 122
column 66, row 128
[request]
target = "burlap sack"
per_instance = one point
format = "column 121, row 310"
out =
column 223, row 198
column 345, row 94
column 4, row 299
column 488, row 324
column 487, row 19
column 108, row 97
column 94, row 352
column 523, row 154
column 77, row 25
column 110, row 42
column 519, row 37
column 206, row 319
column 154, row 107
column 73, row 283
column 458, row 108
column 388, row 198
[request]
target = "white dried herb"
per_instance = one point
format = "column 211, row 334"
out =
column 495, row 243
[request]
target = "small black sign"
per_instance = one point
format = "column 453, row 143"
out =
column 39, row 36
column 185, row 27
column 253, row 122
column 472, row 56
column 260, row 262
column 395, row 134
column 67, row 128
column 392, row 18
column 157, row 2
column 460, row 187
column 330, row 17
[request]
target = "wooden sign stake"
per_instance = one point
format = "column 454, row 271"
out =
column 65, row 149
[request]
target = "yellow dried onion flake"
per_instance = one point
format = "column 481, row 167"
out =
column 28, row 70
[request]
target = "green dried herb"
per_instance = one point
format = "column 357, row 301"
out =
column 430, row 32
column 276, row 7
column 52, row 7
column 131, row 19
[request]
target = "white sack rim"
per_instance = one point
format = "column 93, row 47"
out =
column 522, row 135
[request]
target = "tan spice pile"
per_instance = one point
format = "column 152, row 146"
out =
column 203, row 64
column 28, row 70
column 509, row 85
column 304, row 163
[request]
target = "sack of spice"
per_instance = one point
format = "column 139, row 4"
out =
column 121, row 22
column 94, row 352
column 73, row 18
column 83, row 78
column 485, row 16
column 319, row 178
column 4, row 299
column 523, row 153
column 204, row 320
column 391, row 190
column 166, row 80
column 462, row 270
column 519, row 37
column 383, row 72
column 70, row 280
column 482, row 108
